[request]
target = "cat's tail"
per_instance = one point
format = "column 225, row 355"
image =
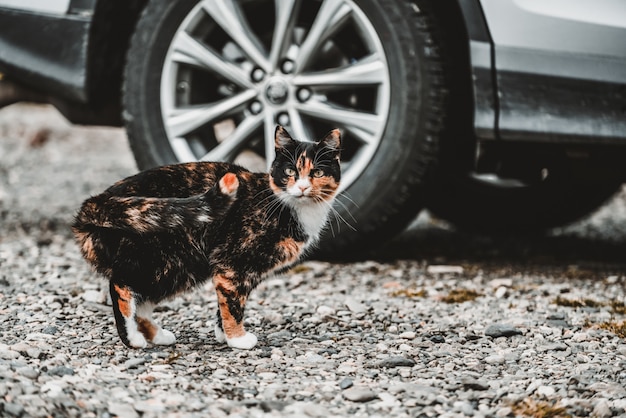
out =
column 143, row 215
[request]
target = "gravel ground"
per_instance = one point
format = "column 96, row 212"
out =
column 441, row 324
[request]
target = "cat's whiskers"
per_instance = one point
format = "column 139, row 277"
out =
column 346, row 195
column 335, row 213
column 274, row 203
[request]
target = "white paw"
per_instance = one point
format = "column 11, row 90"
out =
column 164, row 337
column 245, row 342
column 137, row 340
column 219, row 334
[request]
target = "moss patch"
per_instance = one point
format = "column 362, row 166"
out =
column 410, row 293
column 539, row 409
column 460, row 296
column 617, row 328
column 618, row 307
column 577, row 303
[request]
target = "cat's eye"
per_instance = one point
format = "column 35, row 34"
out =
column 290, row 172
column 318, row 173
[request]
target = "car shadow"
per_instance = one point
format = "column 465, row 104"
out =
column 437, row 242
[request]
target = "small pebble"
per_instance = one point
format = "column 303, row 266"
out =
column 356, row 394
column 501, row 330
column 346, row 383
column 396, row 361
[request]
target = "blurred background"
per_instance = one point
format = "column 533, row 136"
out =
column 469, row 126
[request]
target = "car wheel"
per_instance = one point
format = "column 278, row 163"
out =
column 209, row 80
column 488, row 203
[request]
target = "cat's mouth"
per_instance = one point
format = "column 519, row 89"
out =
column 300, row 197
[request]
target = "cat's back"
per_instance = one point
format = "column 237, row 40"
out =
column 176, row 180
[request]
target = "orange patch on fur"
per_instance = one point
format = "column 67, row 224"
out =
column 291, row 249
column 327, row 185
column 304, row 166
column 232, row 329
column 229, row 183
column 147, row 328
column 246, row 175
column 224, row 281
column 125, row 299
column 86, row 245
column 274, row 187
column 224, row 284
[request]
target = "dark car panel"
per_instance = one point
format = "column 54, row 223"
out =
column 48, row 62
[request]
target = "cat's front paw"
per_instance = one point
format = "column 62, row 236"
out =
column 137, row 340
column 245, row 342
column 164, row 337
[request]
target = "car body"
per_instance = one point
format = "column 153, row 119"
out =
column 498, row 115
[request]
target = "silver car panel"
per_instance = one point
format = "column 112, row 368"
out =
column 560, row 68
column 42, row 6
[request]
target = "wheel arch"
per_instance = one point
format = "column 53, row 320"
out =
column 112, row 24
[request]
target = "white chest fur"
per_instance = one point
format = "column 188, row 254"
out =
column 312, row 218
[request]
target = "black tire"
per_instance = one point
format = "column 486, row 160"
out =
column 387, row 194
column 494, row 207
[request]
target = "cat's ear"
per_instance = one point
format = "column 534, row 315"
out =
column 281, row 137
column 332, row 141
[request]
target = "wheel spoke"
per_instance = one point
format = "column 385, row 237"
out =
column 227, row 14
column 234, row 143
column 363, row 136
column 299, row 128
column 181, row 121
column 368, row 124
column 331, row 16
column 190, row 51
column 368, row 71
column 269, row 131
column 286, row 14
column 182, row 150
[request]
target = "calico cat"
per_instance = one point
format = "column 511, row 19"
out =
column 169, row 229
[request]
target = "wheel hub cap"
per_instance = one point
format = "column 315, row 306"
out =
column 277, row 91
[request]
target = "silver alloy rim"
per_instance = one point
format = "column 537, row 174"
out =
column 237, row 68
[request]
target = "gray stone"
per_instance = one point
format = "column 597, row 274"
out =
column 13, row 409
column 133, row 363
column 501, row 330
column 122, row 410
column 29, row 372
column 396, row 361
column 346, row 383
column 61, row 371
column 51, row 330
column 474, row 384
column 357, row 394
column 8, row 354
column 602, row 409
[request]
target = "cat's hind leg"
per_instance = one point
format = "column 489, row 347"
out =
column 125, row 311
column 150, row 329
column 231, row 301
column 133, row 319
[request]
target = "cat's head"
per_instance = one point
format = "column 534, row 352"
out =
column 305, row 172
